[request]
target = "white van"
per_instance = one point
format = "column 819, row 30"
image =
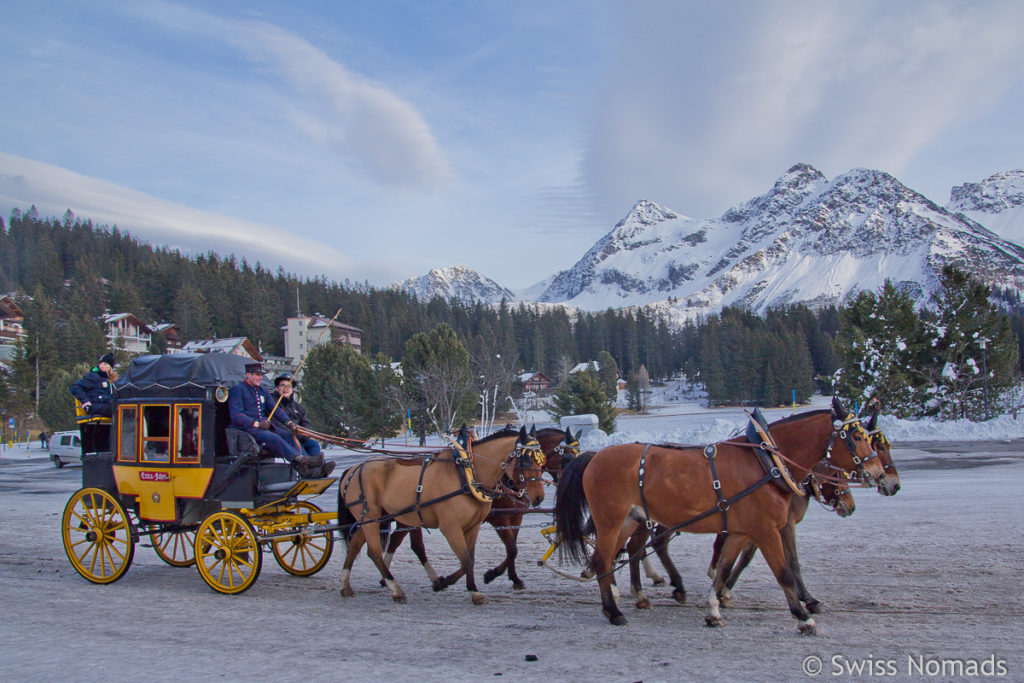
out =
column 581, row 424
column 65, row 447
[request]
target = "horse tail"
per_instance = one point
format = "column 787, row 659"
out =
column 570, row 504
column 347, row 522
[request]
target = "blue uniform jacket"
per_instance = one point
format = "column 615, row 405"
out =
column 93, row 387
column 248, row 404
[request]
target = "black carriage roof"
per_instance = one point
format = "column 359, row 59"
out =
column 175, row 370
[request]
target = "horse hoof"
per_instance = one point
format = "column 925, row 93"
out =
column 347, row 593
column 808, row 629
column 643, row 604
column 713, row 622
column 618, row 621
column 479, row 599
column 724, row 601
column 815, row 607
column 439, row 585
column 680, row 596
column 518, row 586
column 400, row 599
column 659, row 582
column 383, row 583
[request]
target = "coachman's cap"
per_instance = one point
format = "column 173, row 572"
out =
column 254, row 367
column 107, row 358
column 286, row 377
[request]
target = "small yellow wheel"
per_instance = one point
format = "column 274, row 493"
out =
column 302, row 554
column 227, row 552
column 176, row 547
column 97, row 535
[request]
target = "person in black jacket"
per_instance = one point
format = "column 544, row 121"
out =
column 290, row 415
column 94, row 388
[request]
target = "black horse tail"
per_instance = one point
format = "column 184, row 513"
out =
column 347, row 522
column 570, row 504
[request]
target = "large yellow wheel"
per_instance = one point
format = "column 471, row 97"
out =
column 97, row 535
column 176, row 547
column 227, row 552
column 304, row 554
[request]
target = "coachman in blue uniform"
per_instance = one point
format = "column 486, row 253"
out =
column 250, row 405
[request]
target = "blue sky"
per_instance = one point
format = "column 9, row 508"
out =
column 377, row 140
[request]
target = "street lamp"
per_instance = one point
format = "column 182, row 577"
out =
column 983, row 343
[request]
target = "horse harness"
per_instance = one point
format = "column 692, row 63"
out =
column 462, row 458
column 775, row 472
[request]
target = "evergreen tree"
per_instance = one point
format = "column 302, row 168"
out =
column 582, row 394
column 608, row 374
column 955, row 364
column 436, row 366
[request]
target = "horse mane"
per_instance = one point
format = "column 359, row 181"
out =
column 550, row 431
column 507, row 431
column 801, row 416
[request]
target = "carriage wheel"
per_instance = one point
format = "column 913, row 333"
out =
column 97, row 535
column 227, row 553
column 304, row 555
column 175, row 547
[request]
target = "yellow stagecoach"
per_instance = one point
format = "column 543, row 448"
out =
column 168, row 466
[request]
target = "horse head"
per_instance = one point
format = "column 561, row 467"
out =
column 889, row 482
column 854, row 451
column 830, row 490
column 527, row 468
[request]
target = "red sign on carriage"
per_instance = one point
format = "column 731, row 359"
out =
column 146, row 475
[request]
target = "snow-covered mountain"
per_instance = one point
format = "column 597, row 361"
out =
column 808, row 239
column 460, row 282
column 996, row 202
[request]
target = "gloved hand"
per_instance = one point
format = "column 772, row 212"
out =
column 264, row 424
column 290, row 424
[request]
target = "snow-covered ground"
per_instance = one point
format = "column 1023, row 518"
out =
column 921, row 585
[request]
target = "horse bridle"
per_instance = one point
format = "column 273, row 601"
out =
column 812, row 486
column 842, row 429
column 567, row 451
column 522, row 455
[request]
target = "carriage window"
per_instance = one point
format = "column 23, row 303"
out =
column 186, row 436
column 127, row 441
column 156, row 433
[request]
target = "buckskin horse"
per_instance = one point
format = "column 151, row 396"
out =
column 450, row 491
column 507, row 510
column 719, row 488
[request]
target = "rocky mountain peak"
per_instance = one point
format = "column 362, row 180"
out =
column 995, row 194
column 459, row 282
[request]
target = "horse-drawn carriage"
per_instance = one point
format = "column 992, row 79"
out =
column 174, row 470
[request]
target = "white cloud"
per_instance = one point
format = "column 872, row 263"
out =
column 54, row 190
column 362, row 121
column 707, row 105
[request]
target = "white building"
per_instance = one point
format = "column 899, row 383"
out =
column 302, row 333
column 127, row 332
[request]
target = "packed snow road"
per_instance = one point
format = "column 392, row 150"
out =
column 923, row 585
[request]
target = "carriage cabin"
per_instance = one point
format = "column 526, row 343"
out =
column 172, row 455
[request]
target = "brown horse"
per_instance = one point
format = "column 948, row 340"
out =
column 821, row 484
column 889, row 483
column 507, row 510
column 450, row 491
column 834, row 494
column 703, row 491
